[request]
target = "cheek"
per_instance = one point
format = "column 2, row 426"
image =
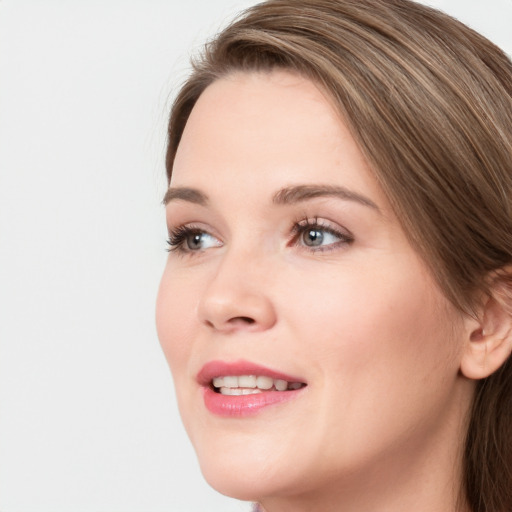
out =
column 379, row 341
column 380, row 352
column 365, row 311
column 176, row 302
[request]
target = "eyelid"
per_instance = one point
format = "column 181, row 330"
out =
column 307, row 223
column 178, row 242
column 177, row 238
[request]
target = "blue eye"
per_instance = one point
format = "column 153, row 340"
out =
column 310, row 234
column 188, row 239
column 313, row 235
column 318, row 237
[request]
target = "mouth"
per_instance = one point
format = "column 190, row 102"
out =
column 244, row 389
column 235, row 385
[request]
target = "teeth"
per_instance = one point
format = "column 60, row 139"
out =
column 250, row 391
column 230, row 382
column 239, row 391
column 250, row 384
column 264, row 382
column 247, row 381
column 281, row 385
column 218, row 382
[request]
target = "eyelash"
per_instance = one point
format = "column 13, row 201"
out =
column 302, row 226
column 178, row 236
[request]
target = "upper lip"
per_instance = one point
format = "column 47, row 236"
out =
column 214, row 369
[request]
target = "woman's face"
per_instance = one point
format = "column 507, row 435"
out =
column 288, row 264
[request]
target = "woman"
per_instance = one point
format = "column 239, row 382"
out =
column 337, row 305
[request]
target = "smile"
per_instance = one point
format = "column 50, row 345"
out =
column 241, row 388
column 251, row 384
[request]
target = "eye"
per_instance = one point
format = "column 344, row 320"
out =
column 314, row 235
column 190, row 239
column 317, row 237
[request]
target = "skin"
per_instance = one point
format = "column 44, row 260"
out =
column 359, row 318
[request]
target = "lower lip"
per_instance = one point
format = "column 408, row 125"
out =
column 245, row 405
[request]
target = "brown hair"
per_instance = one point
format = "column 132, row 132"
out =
column 429, row 102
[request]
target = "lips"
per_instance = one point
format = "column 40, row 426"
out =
column 243, row 388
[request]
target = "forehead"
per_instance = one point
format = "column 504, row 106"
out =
column 274, row 128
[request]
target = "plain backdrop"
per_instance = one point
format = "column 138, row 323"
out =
column 88, row 419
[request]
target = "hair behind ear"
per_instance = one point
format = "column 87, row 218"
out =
column 488, row 453
column 501, row 284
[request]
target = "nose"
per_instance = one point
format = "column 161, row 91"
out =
column 236, row 297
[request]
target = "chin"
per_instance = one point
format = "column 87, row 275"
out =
column 246, row 469
column 243, row 487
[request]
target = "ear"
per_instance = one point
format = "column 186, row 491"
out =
column 489, row 342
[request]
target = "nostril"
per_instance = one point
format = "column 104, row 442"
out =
column 242, row 319
column 234, row 322
column 228, row 307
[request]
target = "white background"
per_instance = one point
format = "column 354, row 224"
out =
column 88, row 420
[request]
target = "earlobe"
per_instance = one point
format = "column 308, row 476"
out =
column 489, row 344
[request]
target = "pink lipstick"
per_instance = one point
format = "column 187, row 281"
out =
column 242, row 388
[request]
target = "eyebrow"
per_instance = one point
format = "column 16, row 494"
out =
column 191, row 195
column 287, row 195
column 299, row 193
